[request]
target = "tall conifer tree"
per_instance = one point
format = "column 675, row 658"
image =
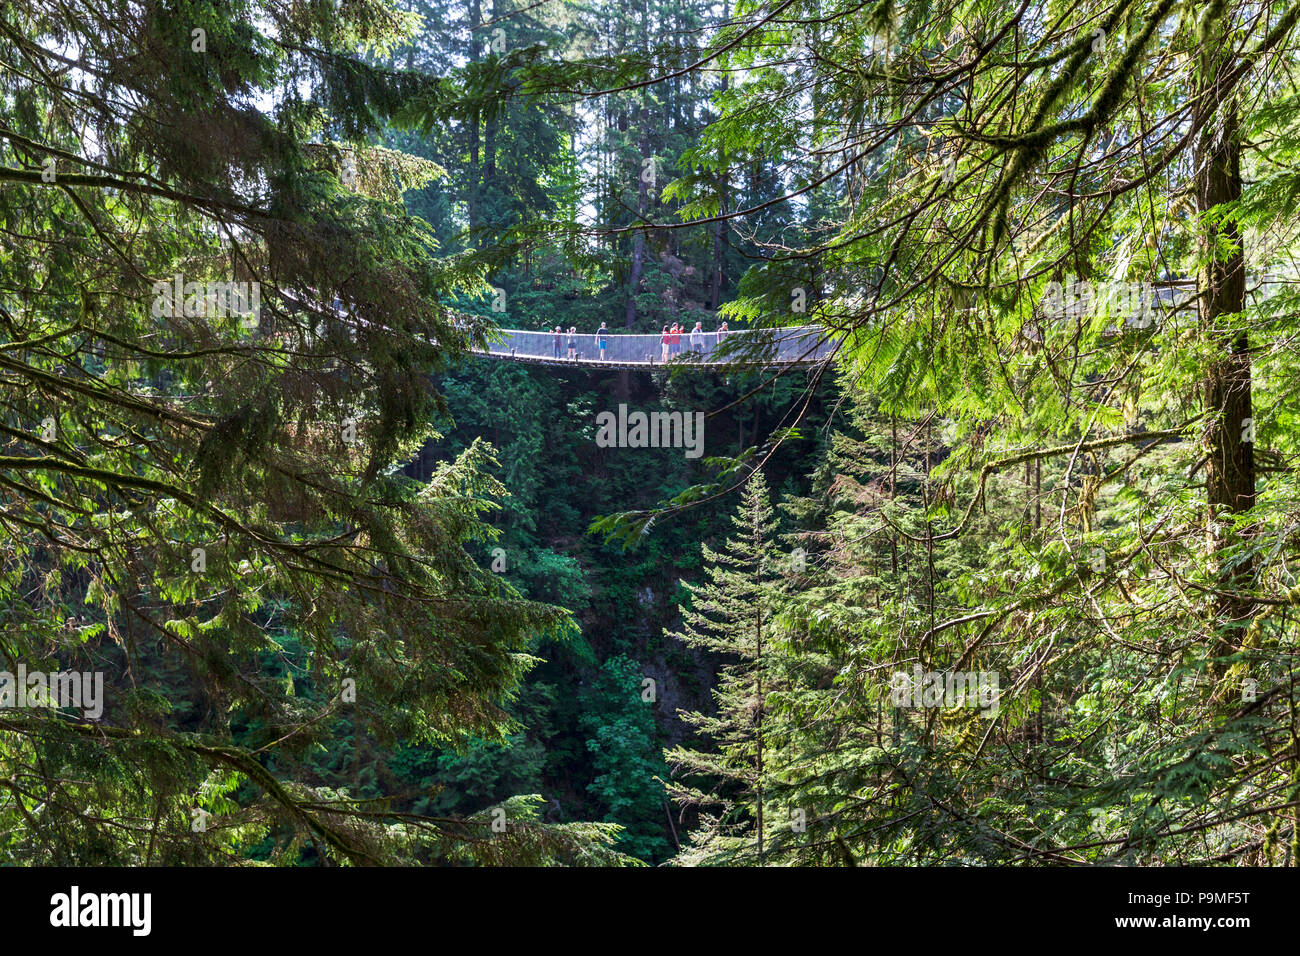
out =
column 730, row 615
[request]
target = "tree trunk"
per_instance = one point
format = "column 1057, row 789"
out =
column 472, row 178
column 1221, row 291
column 638, row 244
column 719, row 228
column 634, row 275
column 719, row 244
column 490, row 129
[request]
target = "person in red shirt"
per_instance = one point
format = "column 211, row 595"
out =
column 665, row 341
column 676, row 340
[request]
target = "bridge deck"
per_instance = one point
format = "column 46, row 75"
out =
column 739, row 348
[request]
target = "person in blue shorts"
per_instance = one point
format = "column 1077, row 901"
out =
column 602, row 340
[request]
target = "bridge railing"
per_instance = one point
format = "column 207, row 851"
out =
column 763, row 346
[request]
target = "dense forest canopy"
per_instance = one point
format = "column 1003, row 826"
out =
column 1008, row 580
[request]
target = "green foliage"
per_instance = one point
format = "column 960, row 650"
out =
column 335, row 574
column 191, row 494
column 626, row 757
column 731, row 616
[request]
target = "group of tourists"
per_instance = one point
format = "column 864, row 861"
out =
column 565, row 344
column 670, row 341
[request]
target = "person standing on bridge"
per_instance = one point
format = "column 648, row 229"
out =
column 558, row 337
column 722, row 332
column 573, row 342
column 664, row 341
column 602, row 340
column 675, row 341
column 697, row 339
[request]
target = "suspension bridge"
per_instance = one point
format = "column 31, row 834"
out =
column 789, row 346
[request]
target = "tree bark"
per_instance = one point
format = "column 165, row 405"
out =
column 719, row 230
column 1221, row 291
column 490, row 129
column 471, row 192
